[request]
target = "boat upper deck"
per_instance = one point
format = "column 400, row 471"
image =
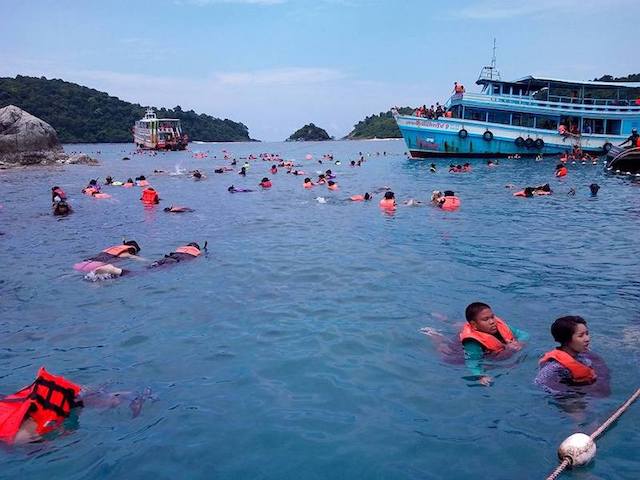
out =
column 564, row 96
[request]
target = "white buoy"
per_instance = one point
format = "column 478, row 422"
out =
column 579, row 448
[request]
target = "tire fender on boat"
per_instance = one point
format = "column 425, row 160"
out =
column 487, row 136
column 539, row 143
column 462, row 133
column 529, row 142
column 519, row 142
column 606, row 147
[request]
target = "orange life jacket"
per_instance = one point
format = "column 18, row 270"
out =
column 562, row 172
column 637, row 145
column 118, row 250
column 149, row 196
column 189, row 250
column 307, row 185
column 357, row 198
column 388, row 203
column 580, row 373
column 519, row 194
column 266, row 184
column 143, row 183
column 48, row 401
column 489, row 342
column 332, row 187
column 451, row 203
column 90, row 191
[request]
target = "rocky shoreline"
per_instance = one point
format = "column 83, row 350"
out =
column 26, row 140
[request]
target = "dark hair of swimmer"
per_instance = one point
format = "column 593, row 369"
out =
column 231, row 188
column 321, row 175
column 93, row 182
column 546, row 188
column 167, row 209
column 389, row 195
column 142, row 177
column 129, row 180
column 473, row 309
column 559, row 166
column 331, row 182
column 264, row 179
column 367, row 196
column 307, row 180
column 132, row 243
column 53, row 189
column 562, row 329
column 594, row 187
column 353, row 162
column 449, row 193
column 328, row 172
column 194, row 244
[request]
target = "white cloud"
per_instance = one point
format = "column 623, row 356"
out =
column 281, row 76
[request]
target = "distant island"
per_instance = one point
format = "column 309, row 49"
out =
column 382, row 125
column 84, row 115
column 309, row 133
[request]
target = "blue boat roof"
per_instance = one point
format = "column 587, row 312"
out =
column 534, row 81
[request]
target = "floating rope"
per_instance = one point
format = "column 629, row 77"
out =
column 567, row 461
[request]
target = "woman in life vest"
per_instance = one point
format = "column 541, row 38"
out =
column 389, row 201
column 360, row 198
column 128, row 249
column 274, row 169
column 331, row 185
column 150, row 196
column 486, row 334
column 308, row 183
column 571, row 364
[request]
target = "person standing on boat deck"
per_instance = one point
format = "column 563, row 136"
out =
column 458, row 87
column 633, row 138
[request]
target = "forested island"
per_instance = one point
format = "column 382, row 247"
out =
column 84, row 115
column 382, row 125
column 309, row 133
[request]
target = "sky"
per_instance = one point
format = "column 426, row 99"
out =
column 276, row 65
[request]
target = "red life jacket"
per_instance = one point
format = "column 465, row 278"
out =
column 118, row 250
column 451, row 203
column 388, row 203
column 60, row 193
column 580, row 373
column 193, row 251
column 562, row 172
column 48, row 401
column 267, row 184
column 489, row 342
column 149, row 196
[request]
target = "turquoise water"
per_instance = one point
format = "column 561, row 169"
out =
column 293, row 349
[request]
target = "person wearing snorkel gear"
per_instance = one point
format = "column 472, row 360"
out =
column 186, row 252
column 61, row 208
column 177, row 209
column 127, row 250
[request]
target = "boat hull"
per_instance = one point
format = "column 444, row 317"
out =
column 442, row 137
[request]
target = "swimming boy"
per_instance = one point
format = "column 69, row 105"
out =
column 483, row 334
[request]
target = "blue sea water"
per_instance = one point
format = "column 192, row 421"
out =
column 292, row 349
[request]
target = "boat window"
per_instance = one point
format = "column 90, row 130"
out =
column 613, row 127
column 471, row 113
column 456, row 112
column 545, row 122
column 598, row 125
column 522, row 119
column 496, row 90
column 498, row 116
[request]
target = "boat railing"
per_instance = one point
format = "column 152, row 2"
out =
column 563, row 103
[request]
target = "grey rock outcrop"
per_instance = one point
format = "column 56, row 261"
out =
column 27, row 140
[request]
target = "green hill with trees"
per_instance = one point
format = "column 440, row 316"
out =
column 84, row 115
column 382, row 125
column 309, row 133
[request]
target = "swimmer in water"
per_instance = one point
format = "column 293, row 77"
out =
column 189, row 251
column 437, row 198
column 197, row 175
column 176, row 209
column 127, row 250
column 571, row 367
column 40, row 408
column 243, row 172
column 61, row 208
column 233, row 189
column 57, row 194
column 432, row 168
column 265, row 183
column 485, row 334
column 594, row 187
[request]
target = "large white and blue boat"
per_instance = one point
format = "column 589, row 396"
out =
column 528, row 117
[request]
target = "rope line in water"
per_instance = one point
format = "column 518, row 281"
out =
column 599, row 431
